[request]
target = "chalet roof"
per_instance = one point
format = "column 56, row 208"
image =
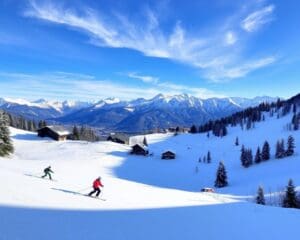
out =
column 58, row 129
column 171, row 151
column 141, row 146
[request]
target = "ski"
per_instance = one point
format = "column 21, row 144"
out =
column 36, row 176
column 102, row 199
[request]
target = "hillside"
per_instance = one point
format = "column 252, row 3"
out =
column 162, row 198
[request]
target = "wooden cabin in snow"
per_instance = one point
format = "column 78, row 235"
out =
column 118, row 138
column 138, row 149
column 168, row 155
column 57, row 133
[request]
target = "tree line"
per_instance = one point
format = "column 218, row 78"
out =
column 264, row 155
column 248, row 117
column 290, row 198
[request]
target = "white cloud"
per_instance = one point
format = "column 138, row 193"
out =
column 239, row 71
column 73, row 86
column 145, row 79
column 207, row 53
column 258, row 18
column 230, row 38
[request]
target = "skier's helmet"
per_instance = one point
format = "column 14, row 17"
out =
column 99, row 177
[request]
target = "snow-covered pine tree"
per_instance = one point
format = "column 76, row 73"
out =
column 193, row 129
column 208, row 157
column 6, row 146
column 243, row 156
column 290, row 199
column 75, row 133
column 260, row 198
column 249, row 157
column 257, row 158
column 290, row 146
column 265, row 155
column 236, row 141
column 145, row 142
column 280, row 152
column 221, row 178
column 295, row 122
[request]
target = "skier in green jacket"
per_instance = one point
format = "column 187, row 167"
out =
column 48, row 172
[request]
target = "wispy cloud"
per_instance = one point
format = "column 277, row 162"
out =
column 171, row 88
column 144, row 78
column 230, row 38
column 211, row 54
column 73, row 86
column 258, row 18
column 242, row 70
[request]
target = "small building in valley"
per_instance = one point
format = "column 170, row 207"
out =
column 138, row 149
column 118, row 138
column 57, row 133
column 168, row 155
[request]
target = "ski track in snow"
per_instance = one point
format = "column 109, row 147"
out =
column 146, row 197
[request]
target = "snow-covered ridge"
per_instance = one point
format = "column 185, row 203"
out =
column 158, row 99
column 42, row 103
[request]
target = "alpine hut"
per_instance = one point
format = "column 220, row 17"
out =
column 138, row 149
column 57, row 133
column 168, row 155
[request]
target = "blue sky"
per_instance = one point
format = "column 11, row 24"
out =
column 84, row 49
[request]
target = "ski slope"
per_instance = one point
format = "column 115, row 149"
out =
column 145, row 197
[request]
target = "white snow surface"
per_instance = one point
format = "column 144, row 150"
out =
column 145, row 197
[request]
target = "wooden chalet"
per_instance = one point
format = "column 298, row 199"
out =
column 138, row 149
column 57, row 133
column 118, row 138
column 168, row 155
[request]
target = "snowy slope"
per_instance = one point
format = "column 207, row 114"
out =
column 146, row 198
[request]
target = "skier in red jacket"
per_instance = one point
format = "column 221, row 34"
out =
column 96, row 185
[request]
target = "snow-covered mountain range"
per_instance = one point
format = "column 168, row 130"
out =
column 159, row 112
column 41, row 108
column 140, row 114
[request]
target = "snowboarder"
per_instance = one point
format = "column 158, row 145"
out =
column 48, row 172
column 96, row 185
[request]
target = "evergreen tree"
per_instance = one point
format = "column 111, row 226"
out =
column 243, row 155
column 265, row 155
column 290, row 199
column 295, row 122
column 236, row 141
column 193, row 129
column 249, row 123
column 249, row 157
column 257, row 156
column 280, row 152
column 75, row 133
column 290, row 146
column 221, row 178
column 260, row 198
column 145, row 142
column 208, row 159
column 6, row 146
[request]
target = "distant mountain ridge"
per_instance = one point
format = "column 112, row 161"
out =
column 137, row 115
column 41, row 108
column 158, row 112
